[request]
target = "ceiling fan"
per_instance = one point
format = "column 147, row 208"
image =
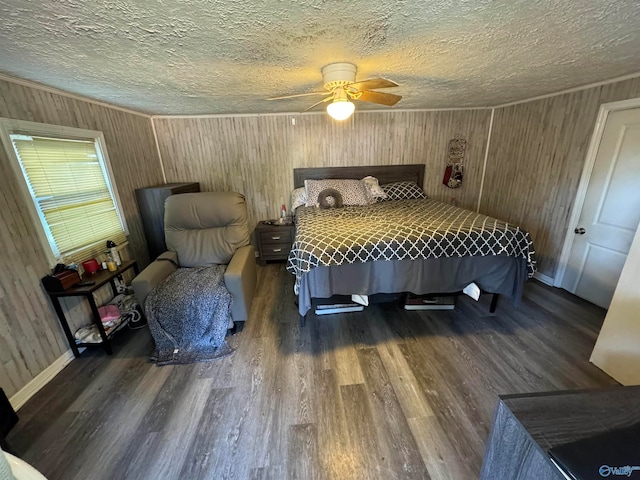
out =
column 339, row 81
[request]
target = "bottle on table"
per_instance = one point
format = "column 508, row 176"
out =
column 111, row 263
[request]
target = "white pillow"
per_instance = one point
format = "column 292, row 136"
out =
column 298, row 198
column 374, row 190
column 353, row 192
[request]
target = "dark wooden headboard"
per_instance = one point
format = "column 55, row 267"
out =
column 384, row 173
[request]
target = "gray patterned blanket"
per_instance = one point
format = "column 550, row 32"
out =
column 188, row 315
column 399, row 230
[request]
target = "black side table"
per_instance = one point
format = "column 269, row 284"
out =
column 100, row 278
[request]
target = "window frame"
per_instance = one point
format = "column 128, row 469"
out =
column 10, row 127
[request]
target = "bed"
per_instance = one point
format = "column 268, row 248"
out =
column 420, row 246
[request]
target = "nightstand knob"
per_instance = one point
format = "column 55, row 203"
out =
column 275, row 238
column 277, row 250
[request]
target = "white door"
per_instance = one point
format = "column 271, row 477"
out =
column 610, row 214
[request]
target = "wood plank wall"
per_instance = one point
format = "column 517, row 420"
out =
column 256, row 155
column 30, row 336
column 536, row 157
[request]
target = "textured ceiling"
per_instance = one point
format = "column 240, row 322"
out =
column 221, row 56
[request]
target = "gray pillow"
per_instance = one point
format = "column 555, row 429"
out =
column 402, row 191
column 330, row 198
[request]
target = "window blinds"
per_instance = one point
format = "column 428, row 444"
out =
column 69, row 186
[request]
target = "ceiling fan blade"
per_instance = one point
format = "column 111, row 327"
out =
column 300, row 95
column 379, row 97
column 318, row 103
column 373, row 84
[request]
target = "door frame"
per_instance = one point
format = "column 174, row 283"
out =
column 578, row 203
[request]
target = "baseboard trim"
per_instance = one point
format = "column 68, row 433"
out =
column 547, row 280
column 44, row 377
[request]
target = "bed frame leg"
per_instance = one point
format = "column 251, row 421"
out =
column 302, row 320
column 494, row 302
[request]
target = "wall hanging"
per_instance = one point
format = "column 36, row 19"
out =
column 455, row 157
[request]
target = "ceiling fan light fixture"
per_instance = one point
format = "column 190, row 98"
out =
column 339, row 81
column 340, row 109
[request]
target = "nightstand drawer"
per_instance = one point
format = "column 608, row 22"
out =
column 276, row 250
column 276, row 235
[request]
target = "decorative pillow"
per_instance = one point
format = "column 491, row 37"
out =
column 403, row 191
column 374, row 191
column 298, row 198
column 353, row 191
column 330, row 198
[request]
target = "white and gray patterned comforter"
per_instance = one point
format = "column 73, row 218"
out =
column 401, row 230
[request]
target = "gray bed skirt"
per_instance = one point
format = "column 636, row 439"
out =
column 493, row 274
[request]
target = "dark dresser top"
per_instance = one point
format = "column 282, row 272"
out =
column 555, row 418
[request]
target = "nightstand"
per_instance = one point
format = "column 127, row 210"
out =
column 274, row 241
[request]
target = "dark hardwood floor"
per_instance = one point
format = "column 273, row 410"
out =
column 383, row 394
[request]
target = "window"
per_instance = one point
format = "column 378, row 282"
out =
column 67, row 176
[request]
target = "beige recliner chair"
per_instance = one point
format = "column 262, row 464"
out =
column 201, row 229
